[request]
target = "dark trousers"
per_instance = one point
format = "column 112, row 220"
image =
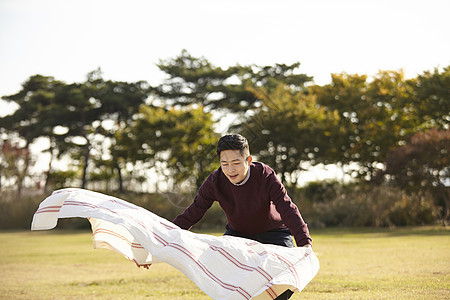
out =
column 280, row 237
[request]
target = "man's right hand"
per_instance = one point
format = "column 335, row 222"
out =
column 146, row 266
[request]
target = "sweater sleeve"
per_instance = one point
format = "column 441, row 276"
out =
column 194, row 212
column 288, row 211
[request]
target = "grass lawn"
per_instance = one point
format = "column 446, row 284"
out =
column 406, row 263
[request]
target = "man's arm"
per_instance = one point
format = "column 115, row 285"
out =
column 194, row 212
column 289, row 211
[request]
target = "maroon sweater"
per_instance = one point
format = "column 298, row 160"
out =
column 259, row 205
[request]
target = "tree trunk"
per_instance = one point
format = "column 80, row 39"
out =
column 21, row 175
column 119, row 176
column 49, row 171
column 86, row 161
column 199, row 180
column 446, row 195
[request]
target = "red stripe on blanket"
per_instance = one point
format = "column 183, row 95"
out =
column 284, row 260
column 244, row 293
column 271, row 292
column 227, row 286
column 48, row 209
column 115, row 234
column 239, row 264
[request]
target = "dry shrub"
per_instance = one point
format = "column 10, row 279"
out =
column 365, row 205
column 17, row 212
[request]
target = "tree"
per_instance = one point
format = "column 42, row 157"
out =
column 90, row 113
column 14, row 164
column 374, row 117
column 270, row 77
column 193, row 80
column 423, row 164
column 120, row 102
column 80, row 110
column 181, row 140
column 36, row 116
column 431, row 101
column 289, row 128
column 345, row 95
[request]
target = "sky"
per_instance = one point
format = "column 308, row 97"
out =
column 67, row 39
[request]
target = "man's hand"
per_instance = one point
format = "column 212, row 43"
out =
column 146, row 266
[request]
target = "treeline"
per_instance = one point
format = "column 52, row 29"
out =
column 389, row 133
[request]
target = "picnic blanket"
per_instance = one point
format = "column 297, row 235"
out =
column 224, row 267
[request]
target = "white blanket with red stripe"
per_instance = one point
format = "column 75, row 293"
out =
column 223, row 267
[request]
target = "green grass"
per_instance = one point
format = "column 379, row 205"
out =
column 409, row 263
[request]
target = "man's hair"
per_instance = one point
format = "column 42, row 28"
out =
column 233, row 142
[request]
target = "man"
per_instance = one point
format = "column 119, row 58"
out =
column 254, row 200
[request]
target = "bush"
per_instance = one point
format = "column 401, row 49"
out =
column 363, row 205
column 322, row 204
column 17, row 212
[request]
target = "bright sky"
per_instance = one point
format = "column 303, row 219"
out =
column 67, row 39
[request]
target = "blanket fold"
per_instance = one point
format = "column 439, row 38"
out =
column 223, row 267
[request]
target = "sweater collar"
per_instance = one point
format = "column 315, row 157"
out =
column 245, row 180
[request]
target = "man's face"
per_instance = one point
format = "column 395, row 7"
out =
column 234, row 165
